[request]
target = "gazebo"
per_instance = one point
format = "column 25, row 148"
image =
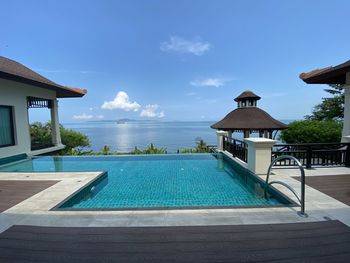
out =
column 248, row 118
column 339, row 74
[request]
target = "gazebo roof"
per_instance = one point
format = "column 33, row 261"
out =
column 249, row 118
column 12, row 70
column 328, row 75
column 247, row 95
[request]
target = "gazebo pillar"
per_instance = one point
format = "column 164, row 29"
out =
column 346, row 122
column 246, row 134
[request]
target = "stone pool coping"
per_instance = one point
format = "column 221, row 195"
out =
column 36, row 210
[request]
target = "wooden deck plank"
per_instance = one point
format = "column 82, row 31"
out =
column 336, row 186
column 311, row 242
column 178, row 237
column 13, row 192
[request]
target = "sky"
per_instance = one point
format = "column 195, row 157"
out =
column 176, row 60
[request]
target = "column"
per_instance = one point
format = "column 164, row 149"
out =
column 259, row 154
column 346, row 122
column 220, row 135
column 55, row 126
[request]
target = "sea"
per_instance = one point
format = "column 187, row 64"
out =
column 124, row 136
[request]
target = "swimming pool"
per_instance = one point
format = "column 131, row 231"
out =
column 158, row 182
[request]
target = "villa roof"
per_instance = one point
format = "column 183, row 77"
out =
column 247, row 95
column 249, row 118
column 328, row 75
column 12, row 70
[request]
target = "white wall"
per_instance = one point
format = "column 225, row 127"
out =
column 15, row 94
column 346, row 122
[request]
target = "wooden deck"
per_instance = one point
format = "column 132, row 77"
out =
column 327, row 241
column 14, row 192
column 336, row 186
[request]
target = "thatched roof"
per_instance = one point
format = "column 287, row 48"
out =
column 12, row 70
column 247, row 95
column 248, row 118
column 328, row 75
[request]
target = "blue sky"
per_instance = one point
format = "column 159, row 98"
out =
column 177, row 60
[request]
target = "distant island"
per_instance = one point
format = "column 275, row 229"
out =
column 117, row 121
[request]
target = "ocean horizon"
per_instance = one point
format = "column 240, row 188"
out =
column 124, row 136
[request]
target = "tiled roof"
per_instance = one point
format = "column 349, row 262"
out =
column 328, row 75
column 12, row 70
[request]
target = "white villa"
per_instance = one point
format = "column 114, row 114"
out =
column 20, row 89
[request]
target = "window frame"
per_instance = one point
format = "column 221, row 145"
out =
column 12, row 123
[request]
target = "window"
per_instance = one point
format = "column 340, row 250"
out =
column 6, row 126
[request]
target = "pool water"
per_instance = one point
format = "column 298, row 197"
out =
column 158, row 181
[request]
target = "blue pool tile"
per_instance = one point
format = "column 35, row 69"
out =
column 183, row 180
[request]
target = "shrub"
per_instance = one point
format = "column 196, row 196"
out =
column 40, row 134
column 106, row 150
column 74, row 141
column 201, row 147
column 311, row 131
column 151, row 149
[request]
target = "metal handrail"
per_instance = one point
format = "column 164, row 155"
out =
column 300, row 198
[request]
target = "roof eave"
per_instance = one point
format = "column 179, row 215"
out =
column 325, row 78
column 329, row 75
column 61, row 92
column 249, row 129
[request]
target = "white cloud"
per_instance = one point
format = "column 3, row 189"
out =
column 121, row 101
column 150, row 111
column 181, row 45
column 82, row 117
column 209, row 82
column 99, row 116
column 92, row 108
column 191, row 93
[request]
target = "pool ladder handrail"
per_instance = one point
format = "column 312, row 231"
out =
column 300, row 198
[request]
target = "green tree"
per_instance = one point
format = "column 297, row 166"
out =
column 330, row 108
column 74, row 141
column 40, row 135
column 201, row 146
column 106, row 150
column 136, row 151
column 151, row 149
column 312, row 131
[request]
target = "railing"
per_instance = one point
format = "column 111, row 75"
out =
column 313, row 154
column 236, row 147
column 300, row 198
